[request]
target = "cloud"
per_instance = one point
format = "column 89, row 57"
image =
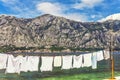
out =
column 76, row 17
column 111, row 17
column 59, row 10
column 14, row 5
column 20, row 9
column 93, row 16
column 9, row 1
column 51, row 8
column 87, row 4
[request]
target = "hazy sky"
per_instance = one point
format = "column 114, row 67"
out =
column 80, row 10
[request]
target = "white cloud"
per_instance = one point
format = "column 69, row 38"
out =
column 87, row 4
column 9, row 1
column 59, row 10
column 51, row 8
column 111, row 17
column 14, row 5
column 76, row 17
column 21, row 10
column 93, row 16
column 96, row 16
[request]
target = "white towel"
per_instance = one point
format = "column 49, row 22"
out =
column 10, row 65
column 106, row 54
column 87, row 60
column 94, row 60
column 77, row 61
column 3, row 60
column 67, row 62
column 47, row 63
column 99, row 55
column 14, row 64
column 57, row 61
column 32, row 63
column 24, row 65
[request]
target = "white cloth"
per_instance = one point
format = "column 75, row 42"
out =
column 24, row 66
column 3, row 60
column 47, row 63
column 106, row 54
column 77, row 61
column 10, row 65
column 99, row 55
column 94, row 60
column 87, row 60
column 14, row 64
column 67, row 62
column 117, row 78
column 32, row 63
column 57, row 61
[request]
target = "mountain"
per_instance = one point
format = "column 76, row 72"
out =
column 49, row 30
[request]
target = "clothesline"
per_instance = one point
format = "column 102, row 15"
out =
column 16, row 64
column 47, row 53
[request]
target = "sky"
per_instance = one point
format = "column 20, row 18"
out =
column 78, row 10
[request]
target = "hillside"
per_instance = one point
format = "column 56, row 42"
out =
column 49, row 30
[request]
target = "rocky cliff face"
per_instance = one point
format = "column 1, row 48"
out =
column 47, row 30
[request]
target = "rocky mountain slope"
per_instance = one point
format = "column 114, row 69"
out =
column 48, row 30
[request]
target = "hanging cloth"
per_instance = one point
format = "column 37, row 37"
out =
column 32, row 63
column 14, row 64
column 94, row 60
column 57, row 61
column 47, row 63
column 67, row 62
column 24, row 65
column 77, row 61
column 87, row 60
column 106, row 55
column 99, row 55
column 3, row 60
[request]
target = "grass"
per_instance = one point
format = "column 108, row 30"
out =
column 80, row 76
column 87, row 76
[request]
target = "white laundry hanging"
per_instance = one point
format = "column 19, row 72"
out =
column 3, row 60
column 14, row 64
column 99, row 55
column 87, row 60
column 94, row 60
column 47, row 63
column 57, row 61
column 24, row 65
column 106, row 54
column 77, row 61
column 32, row 63
column 67, row 62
